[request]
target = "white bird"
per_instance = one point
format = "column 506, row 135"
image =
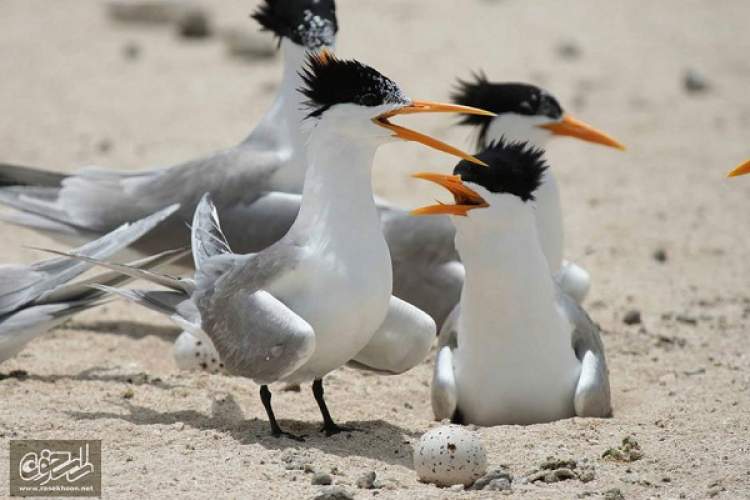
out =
column 315, row 299
column 36, row 298
column 523, row 351
column 527, row 113
column 91, row 202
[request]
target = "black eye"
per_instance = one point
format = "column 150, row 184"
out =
column 369, row 99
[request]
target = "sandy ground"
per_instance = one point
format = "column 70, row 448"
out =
column 680, row 380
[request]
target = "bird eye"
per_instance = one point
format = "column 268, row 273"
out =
column 369, row 99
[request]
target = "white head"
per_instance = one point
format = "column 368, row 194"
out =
column 524, row 113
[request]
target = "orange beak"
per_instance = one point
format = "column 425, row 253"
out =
column 573, row 127
column 465, row 197
column 429, row 107
column 740, row 170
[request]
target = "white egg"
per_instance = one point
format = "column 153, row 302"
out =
column 194, row 354
column 450, row 454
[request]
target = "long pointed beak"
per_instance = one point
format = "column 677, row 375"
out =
column 465, row 197
column 573, row 127
column 429, row 107
column 742, row 169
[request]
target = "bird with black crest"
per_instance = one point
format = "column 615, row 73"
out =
column 523, row 351
column 314, row 300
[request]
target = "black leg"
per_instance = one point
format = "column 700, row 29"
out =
column 265, row 396
column 329, row 426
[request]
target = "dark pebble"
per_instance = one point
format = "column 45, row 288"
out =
column 632, row 317
column 694, row 82
column 194, row 24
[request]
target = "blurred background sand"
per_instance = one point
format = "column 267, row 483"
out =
column 78, row 88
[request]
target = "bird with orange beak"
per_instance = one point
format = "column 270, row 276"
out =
column 315, row 299
column 522, row 350
column 525, row 112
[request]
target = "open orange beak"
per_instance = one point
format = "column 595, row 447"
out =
column 740, row 170
column 573, row 127
column 465, row 197
column 429, row 107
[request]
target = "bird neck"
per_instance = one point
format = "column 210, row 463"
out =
column 337, row 198
column 508, row 295
column 280, row 128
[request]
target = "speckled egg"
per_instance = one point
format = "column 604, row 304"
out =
column 450, row 454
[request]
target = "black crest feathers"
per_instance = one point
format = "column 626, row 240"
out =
column 500, row 98
column 329, row 81
column 515, row 168
column 310, row 23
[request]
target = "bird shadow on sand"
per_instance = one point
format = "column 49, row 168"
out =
column 369, row 439
column 131, row 329
column 99, row 374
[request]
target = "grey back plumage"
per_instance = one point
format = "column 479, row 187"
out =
column 36, row 298
column 20, row 285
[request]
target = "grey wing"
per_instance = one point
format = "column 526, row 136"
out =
column 19, row 328
column 448, row 335
column 22, row 285
column 443, row 392
column 253, row 226
column 592, row 396
column 402, row 341
column 259, row 337
column 256, row 335
column 96, row 200
column 426, row 268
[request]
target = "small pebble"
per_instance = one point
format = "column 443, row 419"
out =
column 194, row 24
column 334, row 493
column 128, row 393
column 131, row 51
column 632, row 317
column 148, row 11
column 660, row 255
column 614, row 494
column 694, row 82
column 248, row 45
column 367, row 481
column 493, row 475
column 569, row 50
column 321, row 479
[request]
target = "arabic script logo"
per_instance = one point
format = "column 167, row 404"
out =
column 51, row 465
column 55, row 468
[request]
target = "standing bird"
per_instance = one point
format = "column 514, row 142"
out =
column 524, row 352
column 528, row 113
column 311, row 302
column 36, row 298
column 741, row 169
column 91, row 202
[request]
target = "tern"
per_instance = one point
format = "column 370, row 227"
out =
column 525, row 112
column 427, row 270
column 741, row 169
column 319, row 296
column 523, row 351
column 36, row 298
column 247, row 181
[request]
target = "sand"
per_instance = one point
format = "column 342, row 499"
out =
column 680, row 379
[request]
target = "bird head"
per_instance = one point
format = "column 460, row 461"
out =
column 524, row 112
column 359, row 102
column 513, row 173
column 310, row 24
